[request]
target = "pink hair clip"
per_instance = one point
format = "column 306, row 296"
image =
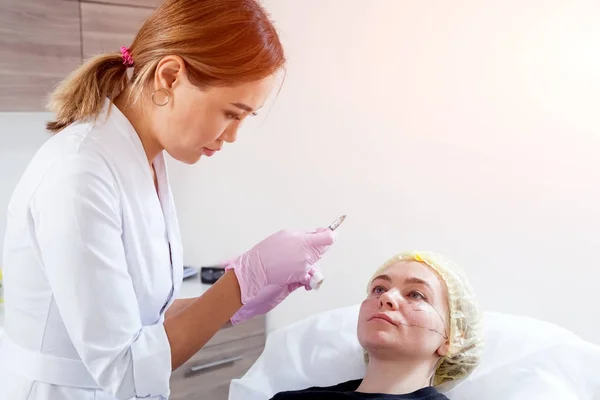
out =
column 127, row 59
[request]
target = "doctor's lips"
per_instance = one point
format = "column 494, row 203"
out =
column 384, row 317
column 209, row 152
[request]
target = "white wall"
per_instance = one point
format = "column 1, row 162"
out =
column 468, row 127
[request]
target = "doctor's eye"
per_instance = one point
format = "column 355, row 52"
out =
column 417, row 295
column 231, row 115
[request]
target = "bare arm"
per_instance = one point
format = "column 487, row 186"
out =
column 178, row 305
column 190, row 327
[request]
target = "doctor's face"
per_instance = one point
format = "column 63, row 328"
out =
column 197, row 122
column 405, row 314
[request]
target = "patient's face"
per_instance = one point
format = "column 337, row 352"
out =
column 405, row 313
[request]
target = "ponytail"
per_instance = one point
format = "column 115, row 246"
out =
column 81, row 95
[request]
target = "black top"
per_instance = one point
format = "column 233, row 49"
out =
column 346, row 391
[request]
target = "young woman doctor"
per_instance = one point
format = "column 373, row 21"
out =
column 92, row 256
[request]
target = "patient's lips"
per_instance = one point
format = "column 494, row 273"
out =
column 382, row 317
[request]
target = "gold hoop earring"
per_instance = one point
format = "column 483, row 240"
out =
column 167, row 94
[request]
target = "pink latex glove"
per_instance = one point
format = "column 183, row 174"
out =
column 282, row 259
column 268, row 298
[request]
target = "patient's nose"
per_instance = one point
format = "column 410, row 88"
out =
column 389, row 300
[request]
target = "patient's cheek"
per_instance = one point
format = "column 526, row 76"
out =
column 423, row 315
column 418, row 311
column 369, row 337
column 367, row 307
column 366, row 333
column 362, row 334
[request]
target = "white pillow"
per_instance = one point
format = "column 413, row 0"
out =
column 523, row 359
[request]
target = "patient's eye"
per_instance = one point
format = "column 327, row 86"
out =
column 417, row 295
column 378, row 290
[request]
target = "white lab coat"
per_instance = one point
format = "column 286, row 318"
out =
column 88, row 271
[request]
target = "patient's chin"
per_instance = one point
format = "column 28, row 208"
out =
column 384, row 351
column 378, row 339
column 389, row 344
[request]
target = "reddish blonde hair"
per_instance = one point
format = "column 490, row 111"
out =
column 222, row 42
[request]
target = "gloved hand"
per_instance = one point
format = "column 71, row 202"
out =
column 282, row 259
column 268, row 298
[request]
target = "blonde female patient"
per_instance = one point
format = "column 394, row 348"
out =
column 419, row 326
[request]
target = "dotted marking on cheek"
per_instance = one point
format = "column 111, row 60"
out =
column 425, row 327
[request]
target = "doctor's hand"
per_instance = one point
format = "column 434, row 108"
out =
column 282, row 259
column 266, row 300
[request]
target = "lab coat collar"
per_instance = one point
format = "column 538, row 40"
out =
column 111, row 114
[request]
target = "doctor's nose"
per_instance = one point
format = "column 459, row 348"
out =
column 230, row 134
column 389, row 300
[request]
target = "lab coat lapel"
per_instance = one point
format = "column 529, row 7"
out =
column 172, row 226
column 165, row 201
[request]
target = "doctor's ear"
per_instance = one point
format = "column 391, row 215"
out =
column 443, row 349
column 170, row 71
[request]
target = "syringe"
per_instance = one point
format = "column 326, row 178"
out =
column 317, row 279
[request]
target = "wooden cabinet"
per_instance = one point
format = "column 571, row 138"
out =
column 107, row 27
column 135, row 3
column 40, row 43
column 228, row 355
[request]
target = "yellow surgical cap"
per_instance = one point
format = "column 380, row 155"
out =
column 465, row 336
